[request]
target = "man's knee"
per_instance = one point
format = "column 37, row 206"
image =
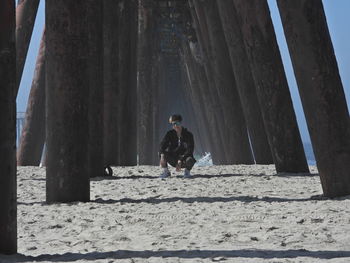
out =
column 162, row 160
column 170, row 159
column 189, row 162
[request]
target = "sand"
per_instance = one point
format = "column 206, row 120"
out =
column 232, row 213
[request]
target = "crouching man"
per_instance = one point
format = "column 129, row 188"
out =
column 176, row 148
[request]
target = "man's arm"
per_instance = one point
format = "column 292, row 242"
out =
column 189, row 149
column 164, row 144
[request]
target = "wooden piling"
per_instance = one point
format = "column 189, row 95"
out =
column 205, row 73
column 153, row 151
column 144, row 84
column 271, row 85
column 33, row 134
column 96, row 90
column 8, row 186
column 245, row 83
column 321, row 91
column 202, row 104
column 236, row 138
column 67, row 100
column 191, row 85
column 127, row 82
column 26, row 11
column 111, row 81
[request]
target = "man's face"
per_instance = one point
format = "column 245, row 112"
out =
column 176, row 125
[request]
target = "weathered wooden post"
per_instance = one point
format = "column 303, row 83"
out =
column 163, row 115
column 235, row 126
column 191, row 118
column 111, row 81
column 33, row 134
column 321, row 91
column 201, row 104
column 8, row 192
column 127, row 82
column 131, row 152
column 271, row 85
column 96, row 91
column 67, row 100
column 144, row 83
column 192, row 89
column 220, row 156
column 26, row 11
column 155, row 101
column 245, row 83
column 197, row 62
column 195, row 121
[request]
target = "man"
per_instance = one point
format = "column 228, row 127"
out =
column 176, row 148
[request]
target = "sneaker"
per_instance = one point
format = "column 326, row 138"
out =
column 187, row 174
column 164, row 174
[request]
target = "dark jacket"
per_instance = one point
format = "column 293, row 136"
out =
column 182, row 148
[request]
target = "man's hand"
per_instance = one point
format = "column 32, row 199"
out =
column 162, row 161
column 178, row 166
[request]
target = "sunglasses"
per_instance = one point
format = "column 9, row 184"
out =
column 176, row 123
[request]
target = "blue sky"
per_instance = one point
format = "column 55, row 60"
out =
column 337, row 13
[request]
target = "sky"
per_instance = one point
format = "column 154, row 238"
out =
column 338, row 19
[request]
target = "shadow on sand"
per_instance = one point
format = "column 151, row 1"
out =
column 185, row 254
column 204, row 199
column 206, row 176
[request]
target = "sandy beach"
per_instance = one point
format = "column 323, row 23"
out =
column 235, row 213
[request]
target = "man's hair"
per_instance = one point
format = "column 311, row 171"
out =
column 175, row 117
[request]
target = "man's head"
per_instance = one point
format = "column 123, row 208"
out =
column 175, row 121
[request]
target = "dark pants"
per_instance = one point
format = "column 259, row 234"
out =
column 173, row 158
